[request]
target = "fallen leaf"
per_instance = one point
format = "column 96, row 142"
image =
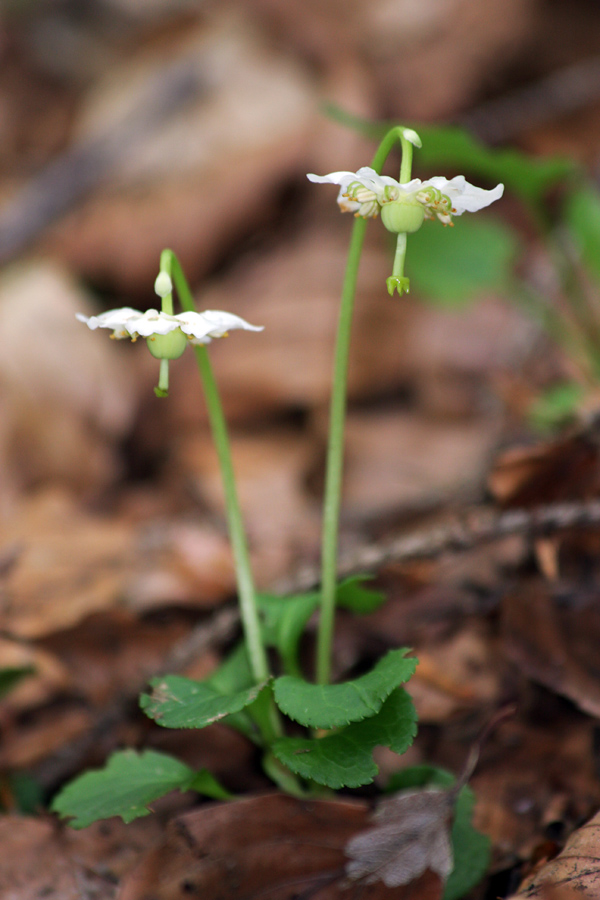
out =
column 576, row 868
column 38, row 860
column 411, row 834
column 272, row 844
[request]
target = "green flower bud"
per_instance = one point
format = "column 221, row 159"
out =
column 402, row 216
column 167, row 346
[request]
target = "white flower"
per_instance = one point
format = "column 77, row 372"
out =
column 199, row 327
column 365, row 192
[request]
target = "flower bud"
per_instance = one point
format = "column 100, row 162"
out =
column 403, row 215
column 163, row 285
column 167, row 346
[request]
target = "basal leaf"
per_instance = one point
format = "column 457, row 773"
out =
column 351, row 594
column 471, row 848
column 284, row 620
column 178, row 702
column 234, row 673
column 345, row 758
column 332, row 705
column 452, row 265
column 127, row 784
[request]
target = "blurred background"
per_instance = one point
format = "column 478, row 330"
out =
column 130, row 126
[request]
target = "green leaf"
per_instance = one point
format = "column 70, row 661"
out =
column 582, row 214
column 234, row 673
column 127, row 784
column 351, row 595
column 332, row 705
column 471, row 848
column 11, row 676
column 345, row 759
column 284, row 620
column 527, row 176
column 452, row 265
column 557, row 406
column 178, row 702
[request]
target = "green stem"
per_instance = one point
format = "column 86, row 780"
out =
column 337, row 416
column 335, row 453
column 245, row 584
column 399, row 256
column 163, row 378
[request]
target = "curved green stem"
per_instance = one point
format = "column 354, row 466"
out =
column 245, row 583
column 337, row 416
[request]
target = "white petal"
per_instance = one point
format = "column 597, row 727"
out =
column 465, row 197
column 365, row 175
column 222, row 322
column 112, row 318
column 212, row 323
column 155, row 322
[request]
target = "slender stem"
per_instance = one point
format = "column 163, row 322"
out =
column 245, row 583
column 163, row 378
column 335, row 451
column 398, row 267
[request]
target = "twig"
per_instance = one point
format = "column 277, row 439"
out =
column 462, row 533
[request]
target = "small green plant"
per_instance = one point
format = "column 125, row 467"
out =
column 342, row 723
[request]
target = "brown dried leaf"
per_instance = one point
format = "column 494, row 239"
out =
column 561, row 470
column 411, row 835
column 555, row 646
column 271, row 845
column 38, row 861
column 577, row 867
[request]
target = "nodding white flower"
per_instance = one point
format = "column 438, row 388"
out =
column 199, row 328
column 366, row 193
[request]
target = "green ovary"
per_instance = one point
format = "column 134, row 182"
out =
column 402, row 216
column 167, row 346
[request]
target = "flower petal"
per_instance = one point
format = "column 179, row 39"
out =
column 465, row 197
column 212, row 323
column 152, row 322
column 113, row 318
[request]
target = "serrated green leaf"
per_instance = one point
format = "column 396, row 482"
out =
column 126, row 785
column 345, row 759
column 452, row 265
column 178, row 702
column 351, row 594
column 471, row 848
column 582, row 214
column 333, row 705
